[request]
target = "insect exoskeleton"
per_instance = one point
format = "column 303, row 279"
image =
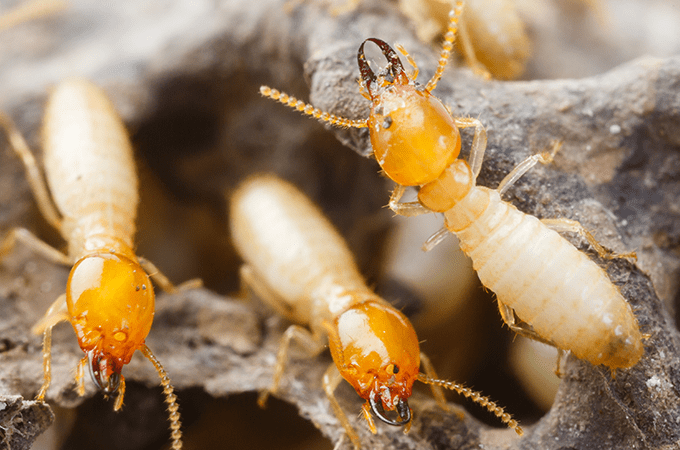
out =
column 492, row 35
column 109, row 299
column 298, row 263
column 560, row 296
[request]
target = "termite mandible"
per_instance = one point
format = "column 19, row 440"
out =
column 298, row 263
column 561, row 296
column 109, row 298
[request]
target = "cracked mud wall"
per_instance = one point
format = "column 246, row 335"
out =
column 185, row 77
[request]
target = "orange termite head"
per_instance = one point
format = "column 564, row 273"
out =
column 110, row 302
column 413, row 135
column 376, row 350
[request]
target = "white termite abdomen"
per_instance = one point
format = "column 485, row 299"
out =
column 294, row 249
column 558, row 290
column 89, row 167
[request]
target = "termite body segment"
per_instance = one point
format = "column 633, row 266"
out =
column 109, row 299
column 297, row 262
column 562, row 297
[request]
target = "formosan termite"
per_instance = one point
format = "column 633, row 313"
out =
column 492, row 36
column 561, row 296
column 298, row 263
column 109, row 299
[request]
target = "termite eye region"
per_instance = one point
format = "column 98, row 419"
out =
column 403, row 411
column 103, row 372
column 393, row 73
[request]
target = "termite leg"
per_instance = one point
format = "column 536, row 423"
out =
column 47, row 364
column 561, row 354
column 410, row 60
column 435, row 239
column 408, row 209
column 35, row 244
column 522, row 168
column 164, row 282
column 468, row 50
column 562, row 225
column 331, row 379
column 312, row 346
column 55, row 314
column 437, row 391
column 250, row 280
column 478, row 142
column 508, row 315
column 447, row 46
column 120, row 394
column 80, row 375
column 33, row 173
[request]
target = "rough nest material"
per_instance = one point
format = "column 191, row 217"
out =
column 185, row 76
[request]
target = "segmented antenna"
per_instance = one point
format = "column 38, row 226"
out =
column 309, row 110
column 477, row 397
column 170, row 399
column 447, row 46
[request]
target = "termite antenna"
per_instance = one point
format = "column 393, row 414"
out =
column 170, row 399
column 477, row 397
column 309, row 110
column 447, row 46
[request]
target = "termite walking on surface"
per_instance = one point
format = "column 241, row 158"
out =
column 559, row 294
column 298, row 263
column 109, row 299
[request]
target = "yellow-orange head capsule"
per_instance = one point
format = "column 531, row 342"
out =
column 110, row 302
column 376, row 350
column 414, row 137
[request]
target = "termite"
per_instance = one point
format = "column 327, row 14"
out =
column 109, row 298
column 298, row 263
column 492, row 35
column 560, row 295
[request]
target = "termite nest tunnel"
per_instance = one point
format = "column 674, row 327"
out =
column 188, row 91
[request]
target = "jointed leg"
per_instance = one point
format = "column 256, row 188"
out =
column 312, row 345
column 437, row 391
column 408, row 209
column 80, row 375
column 567, row 225
column 163, row 281
column 508, row 315
column 478, row 142
column 522, row 168
column 34, row 243
column 331, row 379
column 56, row 313
column 33, row 173
column 251, row 280
column 436, row 239
column 468, row 49
column 526, row 331
column 120, row 394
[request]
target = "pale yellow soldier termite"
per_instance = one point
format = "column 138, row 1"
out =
column 298, row 263
column 560, row 295
column 109, row 298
